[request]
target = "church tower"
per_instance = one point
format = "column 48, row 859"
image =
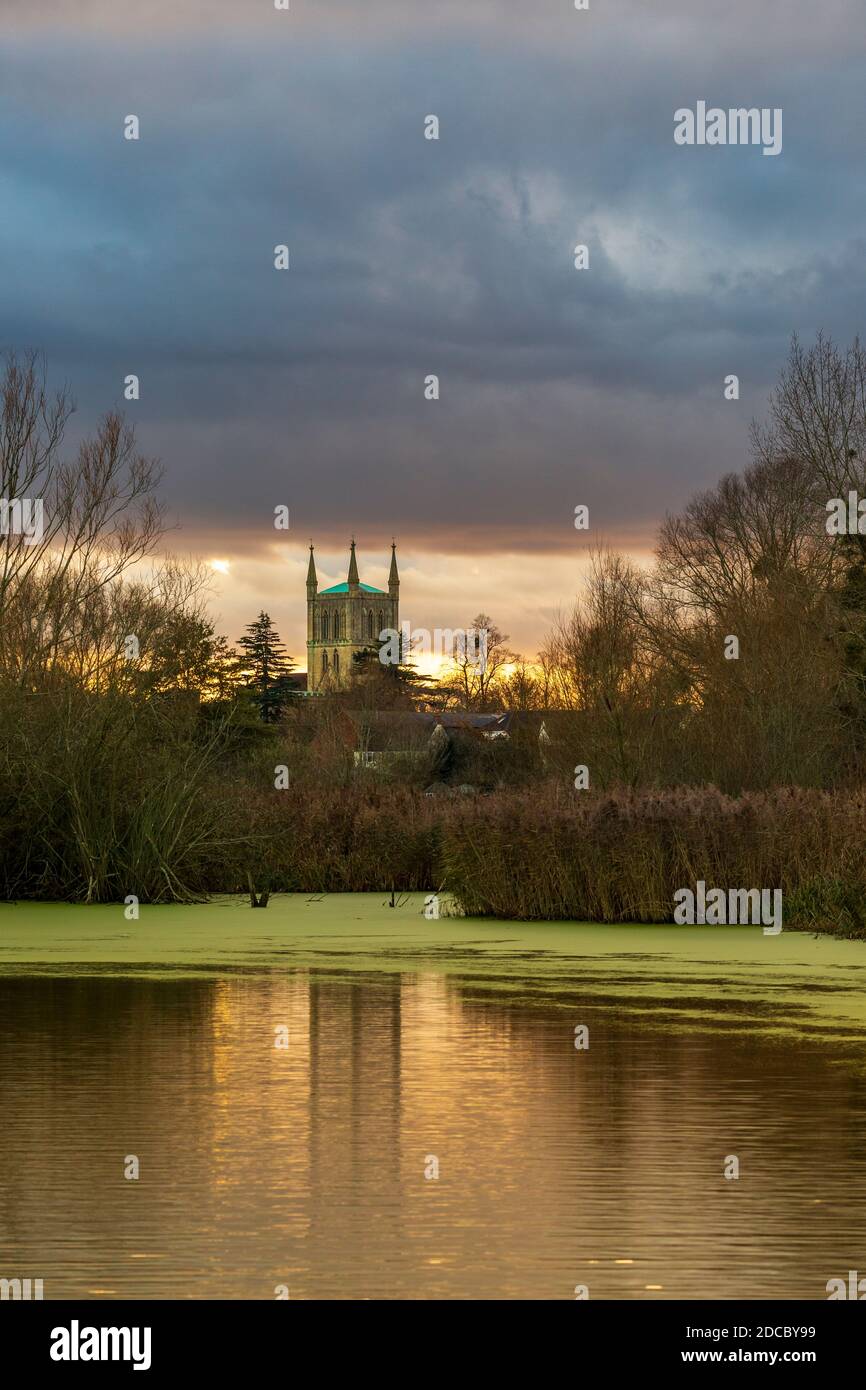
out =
column 345, row 619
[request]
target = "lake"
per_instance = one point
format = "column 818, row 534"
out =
column 418, row 1048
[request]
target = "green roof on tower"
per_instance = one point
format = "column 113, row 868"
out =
column 344, row 589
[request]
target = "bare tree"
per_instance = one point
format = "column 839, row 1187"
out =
column 818, row 415
column 480, row 655
column 601, row 669
column 522, row 688
column 98, row 516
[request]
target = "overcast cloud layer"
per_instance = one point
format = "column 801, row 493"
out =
column 411, row 257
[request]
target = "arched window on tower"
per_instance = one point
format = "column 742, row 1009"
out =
column 381, row 621
column 324, row 663
column 336, row 663
column 324, row 633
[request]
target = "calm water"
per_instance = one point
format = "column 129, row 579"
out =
column 306, row 1166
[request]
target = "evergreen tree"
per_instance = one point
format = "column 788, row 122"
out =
column 265, row 666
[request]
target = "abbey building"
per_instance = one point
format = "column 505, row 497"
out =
column 345, row 619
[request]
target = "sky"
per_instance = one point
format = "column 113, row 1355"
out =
column 409, row 257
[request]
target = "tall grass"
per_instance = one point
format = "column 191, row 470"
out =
column 621, row 857
column 544, row 854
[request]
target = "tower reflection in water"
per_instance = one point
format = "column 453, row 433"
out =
column 309, row 1166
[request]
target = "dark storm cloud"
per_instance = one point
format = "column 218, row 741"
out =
column 412, row 257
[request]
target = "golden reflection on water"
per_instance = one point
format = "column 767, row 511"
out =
column 305, row 1166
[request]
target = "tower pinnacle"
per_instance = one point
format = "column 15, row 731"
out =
column 393, row 576
column 353, row 566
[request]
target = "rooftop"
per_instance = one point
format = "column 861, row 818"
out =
column 344, row 589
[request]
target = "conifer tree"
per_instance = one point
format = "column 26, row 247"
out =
column 265, row 666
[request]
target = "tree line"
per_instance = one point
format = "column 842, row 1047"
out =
column 138, row 765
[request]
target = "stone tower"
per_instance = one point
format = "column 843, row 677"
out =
column 345, row 619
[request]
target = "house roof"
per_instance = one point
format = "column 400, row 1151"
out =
column 344, row 589
column 451, row 719
column 378, row 730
